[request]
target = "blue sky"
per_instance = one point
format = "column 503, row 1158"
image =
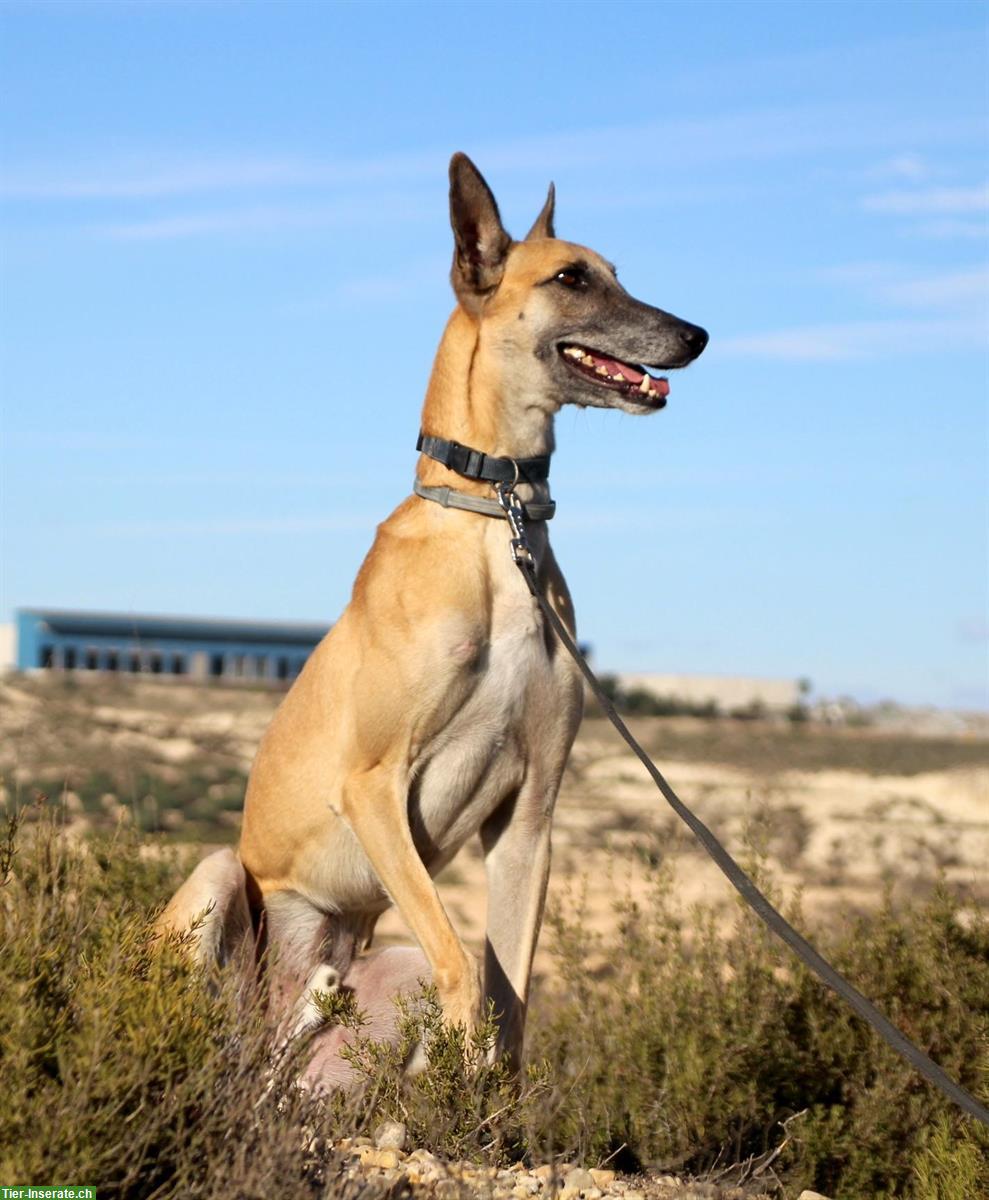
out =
column 225, row 248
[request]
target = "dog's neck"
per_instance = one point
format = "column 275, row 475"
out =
column 470, row 402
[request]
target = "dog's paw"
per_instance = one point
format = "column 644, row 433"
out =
column 462, row 1001
column 309, row 1013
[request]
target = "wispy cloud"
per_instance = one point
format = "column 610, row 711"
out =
column 753, row 135
column 857, row 340
column 940, row 291
column 913, row 167
column 155, row 177
column 222, row 527
column 895, row 283
column 949, row 227
column 272, row 218
column 930, row 201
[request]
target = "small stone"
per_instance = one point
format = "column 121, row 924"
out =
column 526, row 1185
column 632, row 1194
column 568, row 1193
column 390, row 1135
column 545, row 1172
column 384, row 1160
column 578, row 1179
column 603, row 1178
column 807, row 1194
column 591, row 1193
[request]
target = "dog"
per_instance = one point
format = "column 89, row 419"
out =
column 440, row 706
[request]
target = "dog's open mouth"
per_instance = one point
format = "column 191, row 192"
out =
column 634, row 382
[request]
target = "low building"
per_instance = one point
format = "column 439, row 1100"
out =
column 200, row 648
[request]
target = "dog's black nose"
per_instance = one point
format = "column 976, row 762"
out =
column 693, row 337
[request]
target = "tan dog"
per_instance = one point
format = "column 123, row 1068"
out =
column 439, row 706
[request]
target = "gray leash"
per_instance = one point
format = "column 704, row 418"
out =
column 522, row 556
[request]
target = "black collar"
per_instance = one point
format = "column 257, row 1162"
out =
column 474, row 464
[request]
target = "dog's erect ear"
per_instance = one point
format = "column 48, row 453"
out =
column 481, row 244
column 543, row 227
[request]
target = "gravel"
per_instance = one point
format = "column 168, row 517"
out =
column 430, row 1178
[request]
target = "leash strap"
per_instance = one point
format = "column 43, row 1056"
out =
column 475, row 464
column 776, row 922
column 451, row 498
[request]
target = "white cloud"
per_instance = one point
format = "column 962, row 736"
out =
column 949, row 227
column 930, row 201
column 857, row 340
column 896, row 283
column 223, row 527
column 263, row 218
column 901, row 166
column 159, row 177
column 957, row 288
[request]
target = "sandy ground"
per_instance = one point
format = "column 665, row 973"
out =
column 840, row 836
column 840, row 814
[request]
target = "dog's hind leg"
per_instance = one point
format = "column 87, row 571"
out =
column 211, row 909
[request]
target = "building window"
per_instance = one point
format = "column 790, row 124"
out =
column 281, row 667
column 46, row 657
column 92, row 660
column 69, row 658
column 112, row 662
column 134, row 663
column 261, row 666
column 216, row 665
column 155, row 663
column 178, row 664
column 238, row 666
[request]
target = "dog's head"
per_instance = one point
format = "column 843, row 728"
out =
column 561, row 305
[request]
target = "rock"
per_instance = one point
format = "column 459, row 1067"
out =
column 578, row 1180
column 546, row 1172
column 601, row 1177
column 632, row 1194
column 384, row 1160
column 807, row 1194
column 390, row 1135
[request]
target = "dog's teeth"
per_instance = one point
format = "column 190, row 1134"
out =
column 645, row 385
column 620, row 377
column 602, row 371
column 587, row 360
column 574, row 352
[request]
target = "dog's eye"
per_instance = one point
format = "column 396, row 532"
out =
column 571, row 277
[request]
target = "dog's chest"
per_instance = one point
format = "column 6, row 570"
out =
column 508, row 719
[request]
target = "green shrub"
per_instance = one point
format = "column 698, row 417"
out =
column 119, row 1065
column 675, row 1044
column 694, row 1047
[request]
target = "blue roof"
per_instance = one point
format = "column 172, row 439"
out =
column 137, row 625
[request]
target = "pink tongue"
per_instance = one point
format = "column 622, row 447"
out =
column 613, row 367
column 658, row 387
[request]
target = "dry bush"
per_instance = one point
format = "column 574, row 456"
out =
column 687, row 1050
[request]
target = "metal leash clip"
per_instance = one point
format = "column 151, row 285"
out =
column 514, row 511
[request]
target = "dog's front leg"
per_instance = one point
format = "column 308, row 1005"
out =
column 375, row 806
column 516, row 842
